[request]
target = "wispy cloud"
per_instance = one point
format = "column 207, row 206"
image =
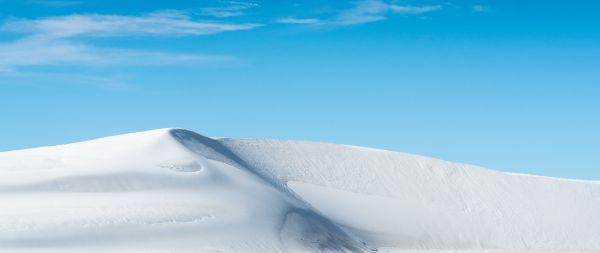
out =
column 57, row 40
column 362, row 12
column 479, row 8
column 414, row 9
column 231, row 9
column 168, row 22
column 297, row 20
column 374, row 10
column 366, row 11
column 40, row 51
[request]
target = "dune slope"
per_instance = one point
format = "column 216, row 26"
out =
column 173, row 190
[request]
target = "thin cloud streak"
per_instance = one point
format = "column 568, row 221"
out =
column 414, row 9
column 373, row 10
column 39, row 51
column 166, row 22
column 479, row 8
column 233, row 9
column 297, row 20
column 363, row 12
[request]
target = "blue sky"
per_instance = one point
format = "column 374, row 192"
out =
column 509, row 85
